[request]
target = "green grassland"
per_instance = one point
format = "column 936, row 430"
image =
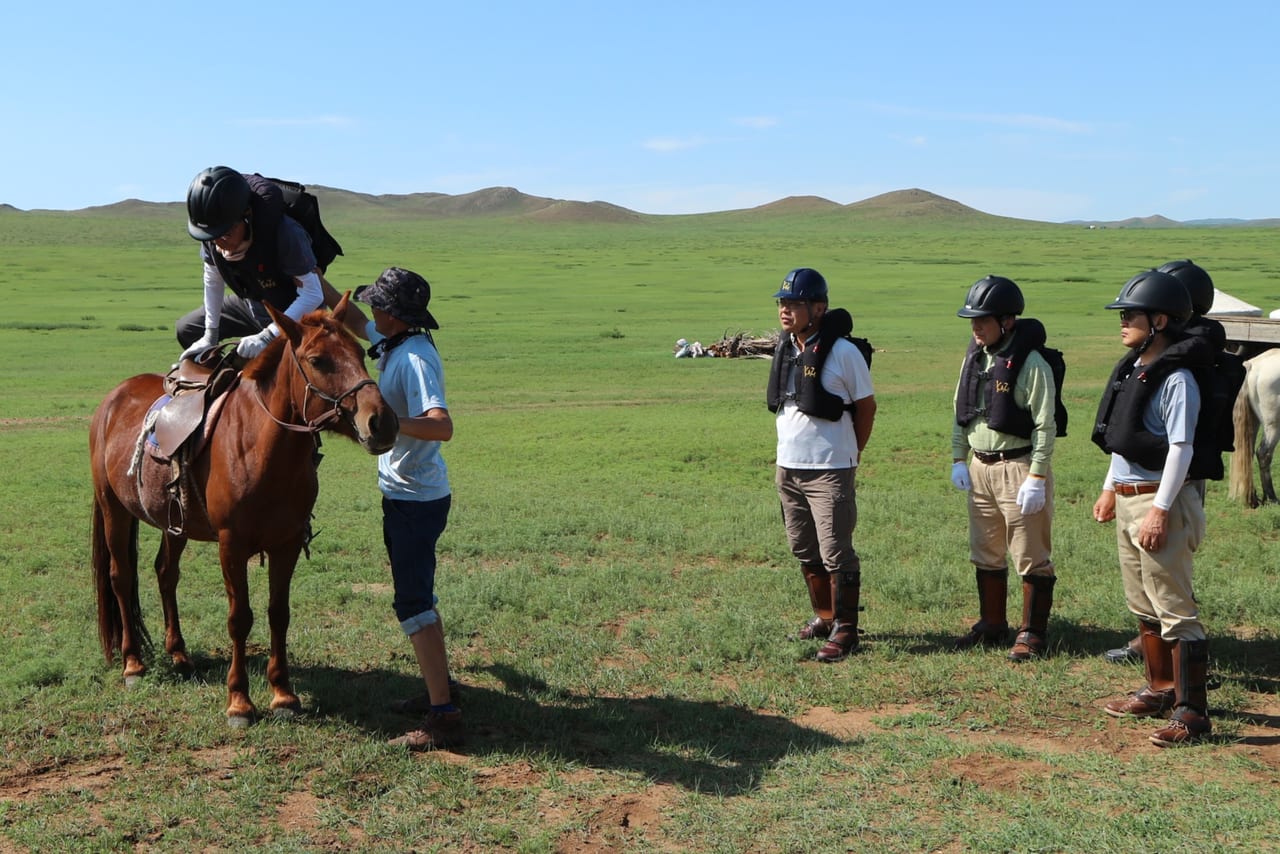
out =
column 615, row 583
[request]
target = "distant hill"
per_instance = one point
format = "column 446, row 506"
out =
column 915, row 205
column 797, row 204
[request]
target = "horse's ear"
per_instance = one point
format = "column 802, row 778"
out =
column 341, row 308
column 288, row 326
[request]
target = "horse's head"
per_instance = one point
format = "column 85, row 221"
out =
column 329, row 383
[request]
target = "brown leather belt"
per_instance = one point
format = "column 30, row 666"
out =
column 1144, row 488
column 990, row 457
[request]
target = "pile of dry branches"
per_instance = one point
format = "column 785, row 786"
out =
column 745, row 346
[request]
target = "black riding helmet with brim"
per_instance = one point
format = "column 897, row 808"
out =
column 216, row 200
column 1155, row 293
column 993, row 296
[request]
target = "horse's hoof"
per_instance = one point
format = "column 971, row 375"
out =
column 133, row 681
column 239, row 721
column 284, row 713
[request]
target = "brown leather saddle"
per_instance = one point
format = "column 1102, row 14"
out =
column 178, row 427
column 196, row 394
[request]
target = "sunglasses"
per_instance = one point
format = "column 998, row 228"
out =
column 1129, row 315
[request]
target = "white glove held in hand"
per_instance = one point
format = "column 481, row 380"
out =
column 960, row 476
column 207, row 340
column 254, row 344
column 1031, row 496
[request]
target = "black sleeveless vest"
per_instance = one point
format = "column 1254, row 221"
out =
column 1002, row 412
column 257, row 275
column 810, row 396
column 1118, row 427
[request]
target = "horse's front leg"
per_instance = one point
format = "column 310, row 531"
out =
column 167, row 574
column 281, row 564
column 235, row 577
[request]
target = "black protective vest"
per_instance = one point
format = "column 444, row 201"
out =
column 257, row 275
column 810, row 396
column 1118, row 427
column 1001, row 413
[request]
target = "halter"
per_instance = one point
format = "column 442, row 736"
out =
column 314, row 425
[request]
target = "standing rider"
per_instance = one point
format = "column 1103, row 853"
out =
column 820, row 389
column 1004, row 415
column 1147, row 422
column 250, row 245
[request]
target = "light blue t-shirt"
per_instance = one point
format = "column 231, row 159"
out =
column 411, row 379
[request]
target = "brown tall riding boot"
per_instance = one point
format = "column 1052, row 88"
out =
column 1157, row 697
column 846, row 588
column 993, row 625
column 1190, row 720
column 1037, row 602
column 818, row 580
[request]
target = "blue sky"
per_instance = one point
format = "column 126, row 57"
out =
column 1049, row 111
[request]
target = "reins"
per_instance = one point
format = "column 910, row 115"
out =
column 314, row 425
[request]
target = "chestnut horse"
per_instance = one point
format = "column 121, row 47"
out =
column 254, row 484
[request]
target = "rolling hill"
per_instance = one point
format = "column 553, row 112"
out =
column 910, row 205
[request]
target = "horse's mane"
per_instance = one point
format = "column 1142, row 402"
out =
column 262, row 370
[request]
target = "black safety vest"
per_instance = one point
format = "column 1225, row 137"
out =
column 257, row 275
column 1002, row 413
column 1118, row 427
column 809, row 395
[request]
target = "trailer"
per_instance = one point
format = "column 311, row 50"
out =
column 1249, row 336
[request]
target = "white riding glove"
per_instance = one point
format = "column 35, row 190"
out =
column 1031, row 496
column 960, row 475
column 207, row 341
column 255, row 344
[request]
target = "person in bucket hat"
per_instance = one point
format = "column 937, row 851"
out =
column 414, row 482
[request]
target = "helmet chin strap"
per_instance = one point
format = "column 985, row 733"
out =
column 1151, row 333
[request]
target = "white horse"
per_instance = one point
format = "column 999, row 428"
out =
column 1258, row 405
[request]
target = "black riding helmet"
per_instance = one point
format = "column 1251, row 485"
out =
column 1156, row 293
column 803, row 283
column 1197, row 282
column 992, row 296
column 216, row 201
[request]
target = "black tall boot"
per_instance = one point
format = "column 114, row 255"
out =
column 1037, row 602
column 846, row 588
column 818, row 581
column 1190, row 720
column 993, row 624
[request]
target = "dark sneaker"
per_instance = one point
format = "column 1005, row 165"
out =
column 1125, row 654
column 439, row 731
column 420, row 704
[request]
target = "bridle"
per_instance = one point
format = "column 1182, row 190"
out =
column 335, row 412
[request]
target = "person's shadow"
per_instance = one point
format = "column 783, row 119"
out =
column 701, row 745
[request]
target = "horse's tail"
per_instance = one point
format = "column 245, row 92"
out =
column 110, row 620
column 1246, row 425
